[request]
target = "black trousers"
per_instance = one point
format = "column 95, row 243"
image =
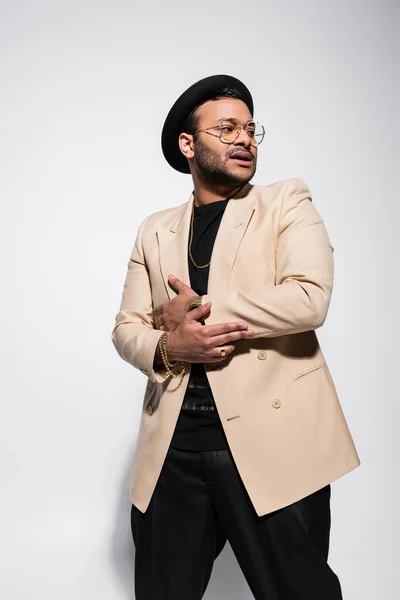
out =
column 198, row 504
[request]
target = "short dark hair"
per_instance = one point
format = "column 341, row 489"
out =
column 191, row 122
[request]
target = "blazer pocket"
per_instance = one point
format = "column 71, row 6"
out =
column 254, row 260
column 310, row 370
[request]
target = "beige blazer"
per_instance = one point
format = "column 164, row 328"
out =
column 272, row 267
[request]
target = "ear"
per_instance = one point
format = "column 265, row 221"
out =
column 186, row 144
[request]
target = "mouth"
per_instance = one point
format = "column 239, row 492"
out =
column 242, row 158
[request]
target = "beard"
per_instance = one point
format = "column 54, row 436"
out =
column 214, row 170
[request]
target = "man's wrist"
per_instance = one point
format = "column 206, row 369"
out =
column 171, row 346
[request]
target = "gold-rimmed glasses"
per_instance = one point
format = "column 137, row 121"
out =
column 229, row 131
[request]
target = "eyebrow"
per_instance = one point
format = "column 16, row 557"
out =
column 225, row 119
column 230, row 119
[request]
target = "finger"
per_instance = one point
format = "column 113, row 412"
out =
column 221, row 328
column 157, row 320
column 227, row 338
column 177, row 283
column 198, row 312
column 157, row 310
column 214, row 355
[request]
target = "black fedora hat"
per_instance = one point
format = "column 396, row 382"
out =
column 196, row 94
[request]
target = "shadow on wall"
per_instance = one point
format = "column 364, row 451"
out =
column 122, row 549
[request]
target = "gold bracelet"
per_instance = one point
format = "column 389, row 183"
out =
column 163, row 349
column 162, row 343
column 164, row 354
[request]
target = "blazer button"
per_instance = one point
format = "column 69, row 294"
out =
column 262, row 355
column 276, row 403
column 150, row 410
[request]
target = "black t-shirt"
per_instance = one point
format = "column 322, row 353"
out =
column 199, row 427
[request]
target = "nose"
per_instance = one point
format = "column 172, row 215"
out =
column 243, row 138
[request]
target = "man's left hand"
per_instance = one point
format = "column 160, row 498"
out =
column 168, row 315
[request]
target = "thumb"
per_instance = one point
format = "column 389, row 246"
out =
column 198, row 312
column 177, row 283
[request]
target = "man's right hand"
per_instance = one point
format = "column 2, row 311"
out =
column 196, row 343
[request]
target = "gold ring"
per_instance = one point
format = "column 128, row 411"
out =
column 222, row 352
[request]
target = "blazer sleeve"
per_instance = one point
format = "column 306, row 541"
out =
column 304, row 275
column 134, row 335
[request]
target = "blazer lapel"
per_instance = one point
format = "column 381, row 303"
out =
column 173, row 242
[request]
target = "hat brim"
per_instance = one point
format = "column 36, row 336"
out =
column 199, row 92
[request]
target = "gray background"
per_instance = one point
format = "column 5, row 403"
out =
column 85, row 87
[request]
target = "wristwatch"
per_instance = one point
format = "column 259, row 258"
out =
column 195, row 302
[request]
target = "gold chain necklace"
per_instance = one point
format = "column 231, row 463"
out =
column 191, row 236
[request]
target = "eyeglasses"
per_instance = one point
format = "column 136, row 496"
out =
column 228, row 132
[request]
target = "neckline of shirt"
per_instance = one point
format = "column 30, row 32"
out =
column 210, row 206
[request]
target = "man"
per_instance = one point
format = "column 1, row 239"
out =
column 241, row 429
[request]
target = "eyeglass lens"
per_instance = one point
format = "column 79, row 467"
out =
column 255, row 130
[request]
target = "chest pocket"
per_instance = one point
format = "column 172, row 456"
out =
column 254, row 270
